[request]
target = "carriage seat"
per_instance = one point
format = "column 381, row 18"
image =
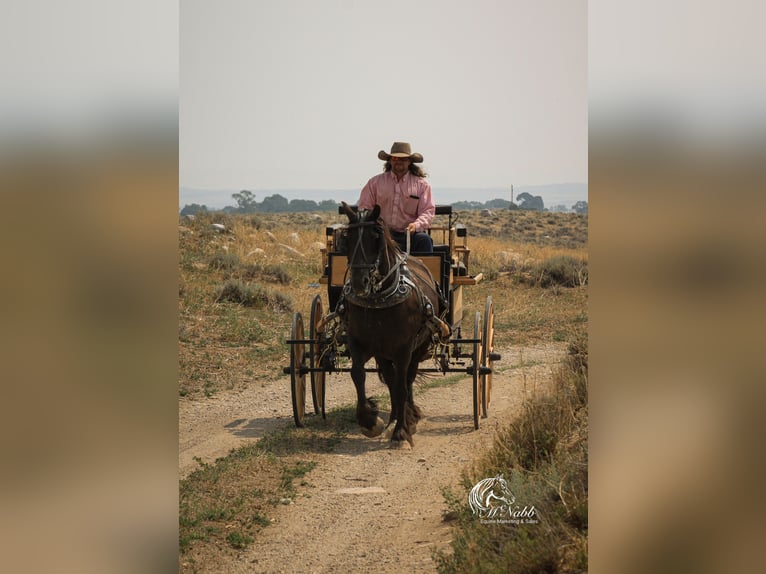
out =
column 439, row 264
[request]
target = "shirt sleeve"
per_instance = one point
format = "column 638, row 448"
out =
column 426, row 208
column 367, row 197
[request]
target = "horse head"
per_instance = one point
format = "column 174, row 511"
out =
column 366, row 242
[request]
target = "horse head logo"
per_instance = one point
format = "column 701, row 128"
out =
column 490, row 497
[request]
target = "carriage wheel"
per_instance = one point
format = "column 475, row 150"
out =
column 316, row 348
column 477, row 388
column 297, row 371
column 487, row 348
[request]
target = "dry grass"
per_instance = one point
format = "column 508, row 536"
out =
column 238, row 289
column 544, row 456
column 237, row 294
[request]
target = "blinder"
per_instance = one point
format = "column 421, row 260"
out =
column 341, row 244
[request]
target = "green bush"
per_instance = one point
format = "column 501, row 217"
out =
column 238, row 540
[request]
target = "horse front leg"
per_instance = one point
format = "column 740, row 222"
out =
column 398, row 388
column 387, row 373
column 412, row 411
column 366, row 409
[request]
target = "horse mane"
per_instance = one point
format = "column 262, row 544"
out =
column 391, row 245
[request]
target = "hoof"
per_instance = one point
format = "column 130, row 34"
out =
column 400, row 445
column 375, row 430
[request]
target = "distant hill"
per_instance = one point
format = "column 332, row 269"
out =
column 553, row 194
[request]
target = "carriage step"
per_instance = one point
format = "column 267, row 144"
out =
column 482, row 370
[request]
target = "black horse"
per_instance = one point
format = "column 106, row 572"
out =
column 387, row 308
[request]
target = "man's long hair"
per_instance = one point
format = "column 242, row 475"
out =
column 414, row 169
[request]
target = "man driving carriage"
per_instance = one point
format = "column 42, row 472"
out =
column 404, row 197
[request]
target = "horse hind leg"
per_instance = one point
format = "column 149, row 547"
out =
column 401, row 437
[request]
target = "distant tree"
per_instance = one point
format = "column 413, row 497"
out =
column 580, row 207
column 559, row 208
column 245, row 201
column 328, row 205
column 531, row 202
column 497, row 204
column 194, row 209
column 467, row 205
column 274, row 204
column 303, row 205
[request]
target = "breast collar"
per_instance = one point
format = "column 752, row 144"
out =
column 395, row 293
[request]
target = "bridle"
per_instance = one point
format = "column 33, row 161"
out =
column 359, row 246
column 373, row 281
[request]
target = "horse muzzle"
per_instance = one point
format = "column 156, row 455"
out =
column 363, row 280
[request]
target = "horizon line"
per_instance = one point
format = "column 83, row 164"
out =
column 354, row 188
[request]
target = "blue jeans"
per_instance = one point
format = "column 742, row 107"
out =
column 420, row 241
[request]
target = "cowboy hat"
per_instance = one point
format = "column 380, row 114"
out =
column 400, row 149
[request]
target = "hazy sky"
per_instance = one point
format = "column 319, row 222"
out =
column 303, row 93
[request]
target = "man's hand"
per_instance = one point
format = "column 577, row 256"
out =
column 411, row 228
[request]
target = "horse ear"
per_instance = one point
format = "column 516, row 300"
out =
column 348, row 211
column 375, row 213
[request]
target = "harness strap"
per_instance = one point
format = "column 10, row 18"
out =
column 394, row 269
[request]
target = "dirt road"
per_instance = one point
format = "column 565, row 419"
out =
column 368, row 508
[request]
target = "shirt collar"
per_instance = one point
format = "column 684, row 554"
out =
column 392, row 176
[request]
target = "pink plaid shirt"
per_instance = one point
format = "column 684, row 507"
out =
column 401, row 202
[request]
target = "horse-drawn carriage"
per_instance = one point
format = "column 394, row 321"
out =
column 402, row 309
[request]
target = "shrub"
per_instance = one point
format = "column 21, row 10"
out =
column 563, row 270
column 237, row 291
column 238, row 540
column 224, row 261
column 280, row 301
column 252, row 221
column 275, row 273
